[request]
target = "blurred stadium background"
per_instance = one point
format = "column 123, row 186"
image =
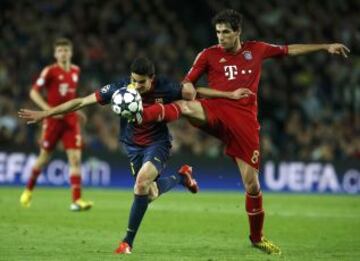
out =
column 309, row 111
column 309, row 105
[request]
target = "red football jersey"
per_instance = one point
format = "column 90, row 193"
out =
column 230, row 71
column 60, row 85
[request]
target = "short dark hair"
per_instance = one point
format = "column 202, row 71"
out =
column 62, row 42
column 228, row 16
column 143, row 66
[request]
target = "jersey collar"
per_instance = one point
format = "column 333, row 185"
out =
column 230, row 53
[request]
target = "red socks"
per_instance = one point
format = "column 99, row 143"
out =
column 75, row 183
column 161, row 112
column 256, row 216
column 33, row 178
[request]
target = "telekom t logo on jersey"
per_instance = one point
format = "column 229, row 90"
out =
column 230, row 71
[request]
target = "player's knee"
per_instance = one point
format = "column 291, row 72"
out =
column 42, row 161
column 252, row 187
column 74, row 161
column 251, row 183
column 142, row 186
column 43, row 158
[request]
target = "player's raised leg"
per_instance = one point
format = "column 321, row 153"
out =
column 165, row 184
column 254, row 208
column 40, row 162
column 173, row 111
column 159, row 112
column 74, row 159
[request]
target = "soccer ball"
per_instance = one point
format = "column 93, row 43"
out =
column 126, row 102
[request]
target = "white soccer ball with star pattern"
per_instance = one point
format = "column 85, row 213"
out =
column 126, row 102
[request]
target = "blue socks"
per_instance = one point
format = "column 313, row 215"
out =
column 141, row 203
column 137, row 213
column 167, row 183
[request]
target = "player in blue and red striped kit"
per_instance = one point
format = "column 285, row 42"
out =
column 147, row 145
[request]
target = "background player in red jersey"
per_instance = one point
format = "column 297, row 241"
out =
column 60, row 81
column 230, row 65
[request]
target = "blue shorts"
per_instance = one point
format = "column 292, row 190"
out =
column 157, row 154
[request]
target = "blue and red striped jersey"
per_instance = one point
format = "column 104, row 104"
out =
column 163, row 91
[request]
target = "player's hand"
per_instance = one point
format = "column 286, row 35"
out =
column 31, row 116
column 338, row 48
column 240, row 93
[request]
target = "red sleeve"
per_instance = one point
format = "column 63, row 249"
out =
column 272, row 50
column 198, row 68
column 42, row 79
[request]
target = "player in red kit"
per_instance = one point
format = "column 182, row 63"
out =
column 230, row 65
column 60, row 81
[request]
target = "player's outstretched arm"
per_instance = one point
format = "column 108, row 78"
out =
column 234, row 95
column 205, row 92
column 333, row 48
column 69, row 106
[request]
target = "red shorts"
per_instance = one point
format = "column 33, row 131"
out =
column 236, row 127
column 67, row 129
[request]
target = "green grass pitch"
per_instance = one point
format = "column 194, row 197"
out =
column 178, row 226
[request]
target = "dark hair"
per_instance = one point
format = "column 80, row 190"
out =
column 62, row 42
column 228, row 16
column 143, row 66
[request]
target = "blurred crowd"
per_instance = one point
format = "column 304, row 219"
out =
column 309, row 106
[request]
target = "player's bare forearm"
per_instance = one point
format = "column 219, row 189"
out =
column 333, row 48
column 298, row 49
column 35, row 116
column 205, row 92
column 72, row 105
column 69, row 106
column 234, row 95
